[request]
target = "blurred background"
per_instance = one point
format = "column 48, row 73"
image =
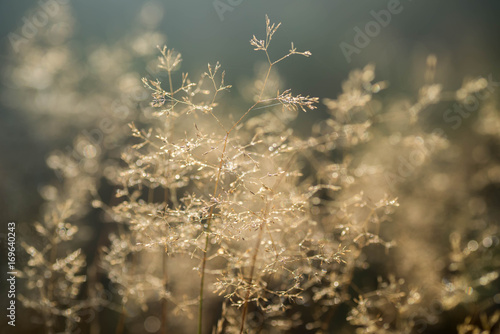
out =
column 463, row 34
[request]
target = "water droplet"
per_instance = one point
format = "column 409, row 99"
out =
column 472, row 245
column 89, row 151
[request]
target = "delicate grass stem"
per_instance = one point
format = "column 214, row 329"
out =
column 210, row 216
column 205, row 250
column 250, row 280
column 164, row 304
column 121, row 322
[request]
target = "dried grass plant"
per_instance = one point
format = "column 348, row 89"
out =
column 280, row 232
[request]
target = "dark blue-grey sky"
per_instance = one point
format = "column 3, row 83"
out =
column 462, row 33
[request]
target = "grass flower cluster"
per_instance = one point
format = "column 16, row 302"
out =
column 374, row 222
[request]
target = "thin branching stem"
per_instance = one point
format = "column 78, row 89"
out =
column 250, row 280
column 50, row 288
column 210, row 215
column 164, row 300
column 256, row 252
column 205, row 250
column 121, row 322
